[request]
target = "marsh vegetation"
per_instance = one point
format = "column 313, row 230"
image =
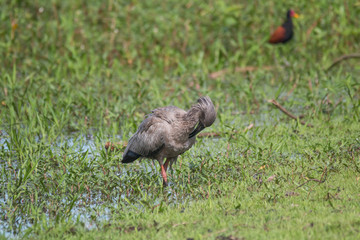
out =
column 78, row 74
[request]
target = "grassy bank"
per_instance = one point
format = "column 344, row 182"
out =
column 75, row 75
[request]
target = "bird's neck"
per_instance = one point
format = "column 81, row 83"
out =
column 193, row 115
column 288, row 23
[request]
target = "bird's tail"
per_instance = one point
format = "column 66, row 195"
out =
column 130, row 157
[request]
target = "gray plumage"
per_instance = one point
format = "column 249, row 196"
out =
column 168, row 132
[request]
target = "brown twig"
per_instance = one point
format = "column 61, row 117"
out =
column 222, row 72
column 274, row 102
column 342, row 58
column 322, row 179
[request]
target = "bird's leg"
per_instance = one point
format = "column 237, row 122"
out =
column 164, row 169
column 166, row 164
column 163, row 172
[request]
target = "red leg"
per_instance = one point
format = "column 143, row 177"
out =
column 163, row 173
column 166, row 164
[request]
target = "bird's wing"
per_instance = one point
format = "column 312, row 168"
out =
column 169, row 114
column 148, row 139
column 278, row 35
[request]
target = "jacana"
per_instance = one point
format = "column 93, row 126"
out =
column 284, row 32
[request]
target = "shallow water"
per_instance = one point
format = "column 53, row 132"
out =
column 94, row 207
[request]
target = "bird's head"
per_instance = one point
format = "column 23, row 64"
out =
column 292, row 13
column 205, row 111
column 208, row 113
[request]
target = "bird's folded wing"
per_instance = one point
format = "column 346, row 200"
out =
column 278, row 35
column 149, row 137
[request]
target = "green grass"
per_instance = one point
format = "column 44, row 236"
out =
column 327, row 211
column 77, row 74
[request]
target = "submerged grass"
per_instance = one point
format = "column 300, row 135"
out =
column 77, row 74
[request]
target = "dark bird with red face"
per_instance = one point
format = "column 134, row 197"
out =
column 284, row 32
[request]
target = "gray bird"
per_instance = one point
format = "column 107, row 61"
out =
column 168, row 132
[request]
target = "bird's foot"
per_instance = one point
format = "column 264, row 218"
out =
column 165, row 184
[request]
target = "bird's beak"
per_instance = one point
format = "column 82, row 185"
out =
column 296, row 15
column 198, row 129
